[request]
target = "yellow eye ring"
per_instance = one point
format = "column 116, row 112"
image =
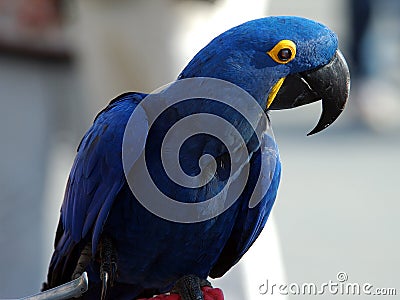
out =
column 283, row 52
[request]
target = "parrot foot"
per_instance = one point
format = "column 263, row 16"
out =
column 189, row 287
column 108, row 265
column 83, row 261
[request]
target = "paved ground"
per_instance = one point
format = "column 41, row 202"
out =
column 35, row 98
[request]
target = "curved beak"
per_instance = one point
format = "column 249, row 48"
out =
column 330, row 83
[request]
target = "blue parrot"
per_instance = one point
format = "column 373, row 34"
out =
column 130, row 252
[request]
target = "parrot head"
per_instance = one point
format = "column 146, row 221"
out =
column 283, row 62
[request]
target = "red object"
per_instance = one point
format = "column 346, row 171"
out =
column 208, row 292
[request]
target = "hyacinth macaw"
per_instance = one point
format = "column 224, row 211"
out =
column 129, row 252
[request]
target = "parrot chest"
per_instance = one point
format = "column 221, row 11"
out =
column 155, row 251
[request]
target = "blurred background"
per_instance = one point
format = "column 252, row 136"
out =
column 338, row 204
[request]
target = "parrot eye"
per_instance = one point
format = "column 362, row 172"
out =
column 283, row 52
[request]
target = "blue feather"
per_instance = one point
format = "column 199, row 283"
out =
column 152, row 252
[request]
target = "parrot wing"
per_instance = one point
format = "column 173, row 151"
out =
column 94, row 182
column 250, row 221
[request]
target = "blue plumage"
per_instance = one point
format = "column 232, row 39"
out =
column 152, row 252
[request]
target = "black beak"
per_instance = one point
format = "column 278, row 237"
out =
column 330, row 83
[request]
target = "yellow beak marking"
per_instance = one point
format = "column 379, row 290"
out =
column 274, row 91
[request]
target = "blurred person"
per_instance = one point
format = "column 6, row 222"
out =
column 374, row 57
column 33, row 27
column 142, row 45
column 360, row 15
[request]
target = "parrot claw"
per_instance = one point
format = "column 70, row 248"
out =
column 189, row 287
column 83, row 261
column 108, row 266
